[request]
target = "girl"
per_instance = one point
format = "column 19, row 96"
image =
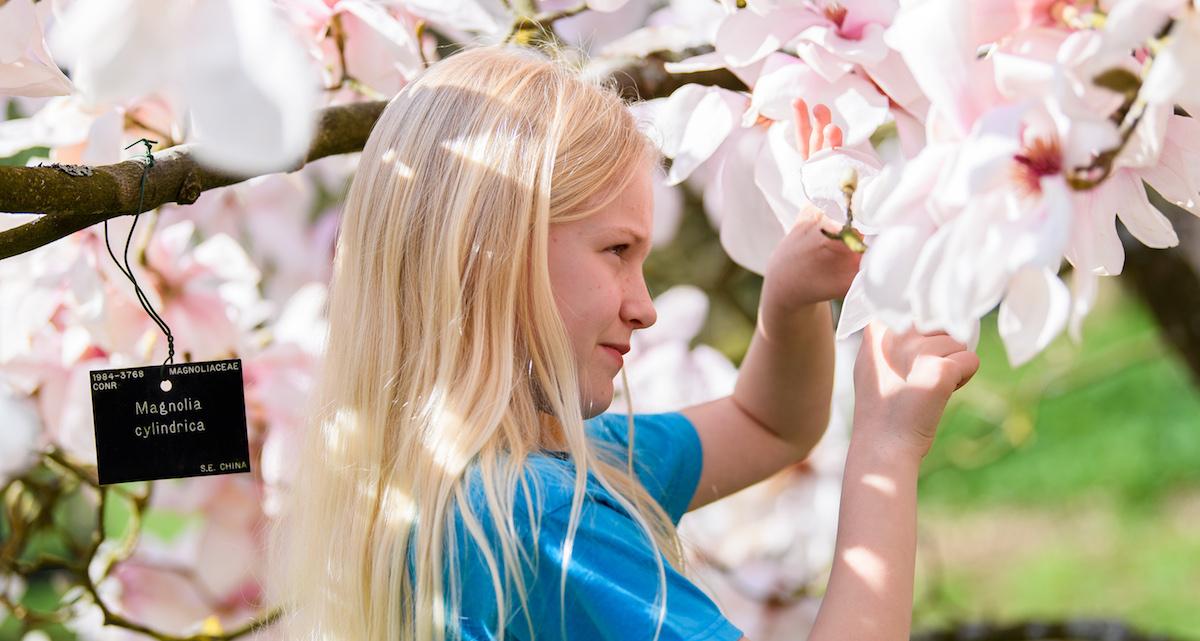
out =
column 460, row 479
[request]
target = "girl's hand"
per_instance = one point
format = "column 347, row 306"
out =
column 902, row 383
column 807, row 267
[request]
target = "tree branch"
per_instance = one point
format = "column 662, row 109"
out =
column 70, row 202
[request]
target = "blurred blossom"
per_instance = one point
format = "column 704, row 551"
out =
column 26, row 68
column 208, row 570
column 756, row 549
column 664, row 371
column 240, row 71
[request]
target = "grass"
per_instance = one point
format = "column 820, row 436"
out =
column 1068, row 487
column 1117, row 415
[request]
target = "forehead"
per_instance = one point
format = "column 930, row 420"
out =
column 632, row 209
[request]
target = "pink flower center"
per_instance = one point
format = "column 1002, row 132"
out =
column 836, row 14
column 1040, row 157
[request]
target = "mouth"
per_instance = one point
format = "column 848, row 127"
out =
column 616, row 352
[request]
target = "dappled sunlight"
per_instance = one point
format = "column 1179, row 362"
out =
column 402, row 169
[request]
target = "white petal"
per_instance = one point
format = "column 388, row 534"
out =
column 469, row 15
column 121, row 49
column 682, row 311
column 825, row 172
column 707, row 126
column 251, row 87
column 887, row 268
column 19, row 438
column 606, row 5
column 1095, row 246
column 1033, row 313
column 1142, row 219
column 856, row 309
column 777, row 173
column 749, row 229
column 668, row 212
column 26, row 68
column 746, row 37
column 702, row 62
column 1084, row 285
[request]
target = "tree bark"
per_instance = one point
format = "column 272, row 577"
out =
column 1167, row 281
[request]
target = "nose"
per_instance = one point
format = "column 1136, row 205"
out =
column 638, row 308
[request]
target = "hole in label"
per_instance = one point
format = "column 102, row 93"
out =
column 165, row 385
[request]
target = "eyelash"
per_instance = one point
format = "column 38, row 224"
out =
column 622, row 247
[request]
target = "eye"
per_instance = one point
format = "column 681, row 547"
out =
column 619, row 249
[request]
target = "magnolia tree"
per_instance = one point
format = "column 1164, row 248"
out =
column 983, row 143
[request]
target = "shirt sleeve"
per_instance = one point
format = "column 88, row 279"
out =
column 666, row 455
column 613, row 591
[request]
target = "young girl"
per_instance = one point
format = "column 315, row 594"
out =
column 460, row 479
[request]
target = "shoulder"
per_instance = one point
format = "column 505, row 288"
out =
column 666, row 455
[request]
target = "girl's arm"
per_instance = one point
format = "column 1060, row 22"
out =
column 902, row 384
column 870, row 592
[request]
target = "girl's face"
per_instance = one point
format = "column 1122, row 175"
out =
column 596, row 274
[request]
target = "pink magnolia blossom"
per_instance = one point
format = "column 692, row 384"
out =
column 664, row 371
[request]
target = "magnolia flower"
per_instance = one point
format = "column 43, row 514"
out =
column 19, row 440
column 26, row 68
column 750, row 549
column 203, row 55
column 664, row 371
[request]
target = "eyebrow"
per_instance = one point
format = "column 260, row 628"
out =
column 625, row 230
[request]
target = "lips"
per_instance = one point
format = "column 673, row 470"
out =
column 620, row 348
column 616, row 353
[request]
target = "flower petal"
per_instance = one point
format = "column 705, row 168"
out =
column 1033, row 313
column 251, row 88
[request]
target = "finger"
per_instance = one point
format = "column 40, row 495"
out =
column 803, row 127
column 822, row 117
column 940, row 345
column 833, row 136
column 968, row 364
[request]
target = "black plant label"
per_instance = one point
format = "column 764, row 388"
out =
column 170, row 422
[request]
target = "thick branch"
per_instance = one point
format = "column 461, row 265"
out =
column 71, row 203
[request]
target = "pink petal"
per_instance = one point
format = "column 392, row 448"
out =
column 381, row 50
column 1142, row 219
column 749, row 228
column 1095, row 246
column 856, row 105
column 1033, row 313
column 746, row 37
column 943, row 58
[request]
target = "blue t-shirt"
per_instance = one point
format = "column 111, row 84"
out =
column 612, row 580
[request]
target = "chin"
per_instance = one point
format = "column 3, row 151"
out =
column 597, row 404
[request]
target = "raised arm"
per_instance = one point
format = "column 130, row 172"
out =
column 902, row 384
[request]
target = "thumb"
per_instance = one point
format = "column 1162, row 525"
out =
column 932, row 373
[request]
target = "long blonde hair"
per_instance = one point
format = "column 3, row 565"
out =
column 445, row 345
